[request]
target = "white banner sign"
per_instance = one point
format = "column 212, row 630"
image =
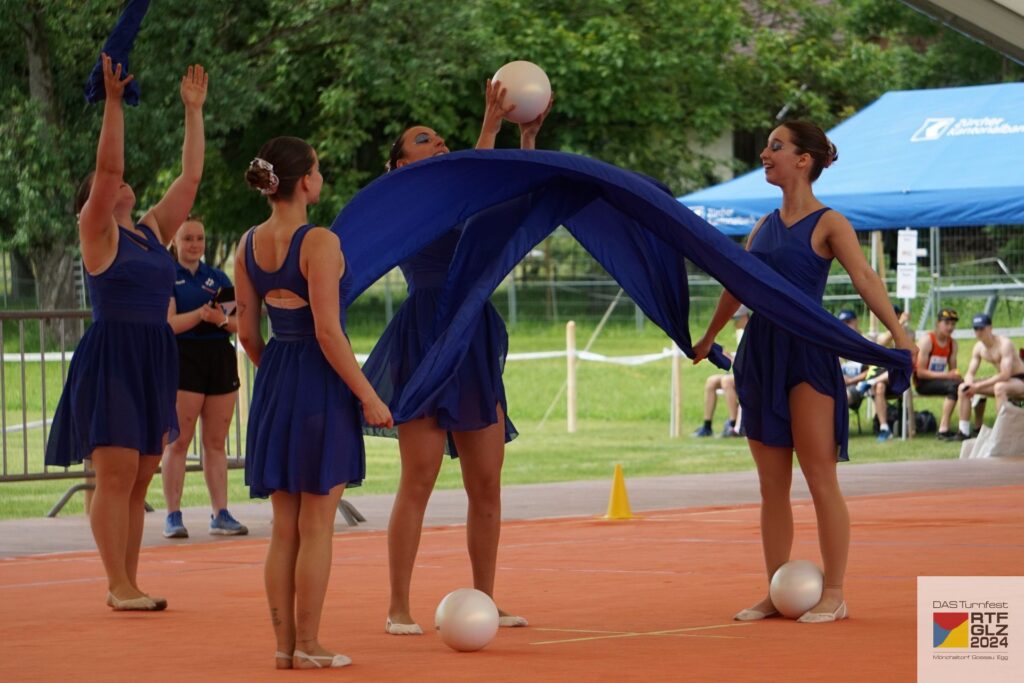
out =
column 906, row 247
column 906, row 281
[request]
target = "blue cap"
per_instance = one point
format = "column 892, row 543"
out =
column 846, row 315
column 981, row 320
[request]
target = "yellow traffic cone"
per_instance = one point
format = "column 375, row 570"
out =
column 618, row 502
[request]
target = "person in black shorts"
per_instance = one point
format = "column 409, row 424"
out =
column 201, row 313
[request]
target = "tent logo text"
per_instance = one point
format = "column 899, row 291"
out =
column 935, row 128
column 932, row 129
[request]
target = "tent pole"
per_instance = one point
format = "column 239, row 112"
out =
column 935, row 268
column 878, row 265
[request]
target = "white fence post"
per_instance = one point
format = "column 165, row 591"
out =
column 570, row 380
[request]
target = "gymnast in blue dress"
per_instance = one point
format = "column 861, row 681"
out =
column 304, row 443
column 117, row 409
column 792, row 393
column 468, row 418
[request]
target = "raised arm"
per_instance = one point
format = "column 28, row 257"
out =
column 494, row 111
column 528, row 131
column 170, row 212
column 324, row 265
column 97, row 229
column 248, row 306
column 843, row 242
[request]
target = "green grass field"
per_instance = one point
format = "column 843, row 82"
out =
column 623, row 418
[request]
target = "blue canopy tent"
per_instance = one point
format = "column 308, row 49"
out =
column 918, row 158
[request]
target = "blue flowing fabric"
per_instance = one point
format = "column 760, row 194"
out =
column 510, row 200
column 118, row 46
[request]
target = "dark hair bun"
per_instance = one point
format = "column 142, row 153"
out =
column 260, row 176
column 833, row 154
column 280, row 165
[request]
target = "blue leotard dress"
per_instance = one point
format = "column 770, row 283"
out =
column 123, row 377
column 304, row 433
column 470, row 396
column 770, row 361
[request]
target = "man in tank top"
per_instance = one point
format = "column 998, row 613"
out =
column 936, row 373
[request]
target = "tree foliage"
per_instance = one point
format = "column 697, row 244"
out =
column 640, row 83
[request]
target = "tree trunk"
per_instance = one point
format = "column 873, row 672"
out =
column 55, row 283
column 40, row 73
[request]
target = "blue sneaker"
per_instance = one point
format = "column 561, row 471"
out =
column 884, row 434
column 729, row 430
column 226, row 525
column 703, row 431
column 174, row 527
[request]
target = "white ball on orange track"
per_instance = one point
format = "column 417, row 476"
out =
column 796, row 587
column 467, row 619
column 528, row 88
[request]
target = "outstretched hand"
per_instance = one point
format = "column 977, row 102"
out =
column 909, row 345
column 193, row 86
column 113, row 84
column 531, row 128
column 495, row 108
column 701, row 349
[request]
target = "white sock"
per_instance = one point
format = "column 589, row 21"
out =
column 965, row 427
column 882, row 425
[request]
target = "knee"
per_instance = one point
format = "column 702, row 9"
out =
column 283, row 532
column 821, row 480
column 314, row 526
column 712, row 383
column 116, row 481
column 775, row 490
column 212, row 444
column 1000, row 390
column 416, row 488
column 879, row 389
column 484, row 491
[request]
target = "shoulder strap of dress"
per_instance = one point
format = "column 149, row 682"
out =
column 250, row 254
column 295, row 249
column 150, row 234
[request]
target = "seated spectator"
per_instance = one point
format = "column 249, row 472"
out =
column 1008, row 382
column 727, row 384
column 854, row 373
column 878, row 380
column 936, row 373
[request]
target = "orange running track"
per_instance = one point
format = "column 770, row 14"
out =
column 649, row 599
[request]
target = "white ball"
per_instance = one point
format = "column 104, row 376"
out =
column 467, row 619
column 796, row 587
column 528, row 88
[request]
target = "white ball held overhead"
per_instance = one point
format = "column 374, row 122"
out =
column 467, row 619
column 528, row 88
column 796, row 587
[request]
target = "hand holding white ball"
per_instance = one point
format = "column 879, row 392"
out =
column 527, row 88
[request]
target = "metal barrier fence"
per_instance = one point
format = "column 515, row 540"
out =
column 40, row 343
column 45, row 341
